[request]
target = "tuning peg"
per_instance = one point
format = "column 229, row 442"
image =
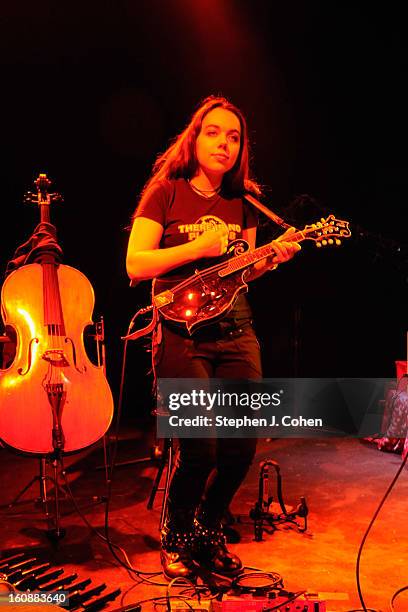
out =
column 29, row 197
column 338, row 242
column 330, row 241
column 323, row 220
column 56, row 197
column 324, row 242
column 318, row 244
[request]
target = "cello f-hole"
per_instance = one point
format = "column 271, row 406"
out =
column 20, row 370
column 80, row 370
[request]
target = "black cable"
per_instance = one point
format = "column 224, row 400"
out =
column 190, row 584
column 388, row 491
column 288, row 600
column 90, row 526
column 157, row 599
column 186, row 581
column 393, row 598
column 364, row 610
column 142, row 575
column 275, row 579
column 205, row 592
column 125, row 594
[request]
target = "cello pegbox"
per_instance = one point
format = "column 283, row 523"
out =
column 42, row 182
column 42, row 196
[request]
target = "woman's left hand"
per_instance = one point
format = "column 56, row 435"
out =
column 284, row 248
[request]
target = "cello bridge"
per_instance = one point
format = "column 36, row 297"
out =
column 55, row 357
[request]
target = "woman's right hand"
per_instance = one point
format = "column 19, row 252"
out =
column 212, row 243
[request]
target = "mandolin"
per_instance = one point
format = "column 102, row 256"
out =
column 52, row 397
column 207, row 295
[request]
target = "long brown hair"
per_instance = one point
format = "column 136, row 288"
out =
column 180, row 160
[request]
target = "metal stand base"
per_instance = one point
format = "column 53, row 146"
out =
column 52, row 514
column 55, row 535
column 262, row 514
column 42, row 478
column 54, row 532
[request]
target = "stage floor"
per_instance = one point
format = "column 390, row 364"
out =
column 343, row 481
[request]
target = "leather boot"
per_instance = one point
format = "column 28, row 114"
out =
column 175, row 555
column 210, row 550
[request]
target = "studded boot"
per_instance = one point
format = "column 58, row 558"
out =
column 175, row 555
column 210, row 550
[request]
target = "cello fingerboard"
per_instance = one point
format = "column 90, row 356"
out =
column 53, row 316
column 55, row 330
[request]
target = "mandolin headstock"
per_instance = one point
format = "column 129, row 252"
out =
column 327, row 231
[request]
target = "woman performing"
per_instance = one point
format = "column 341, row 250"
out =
column 190, row 209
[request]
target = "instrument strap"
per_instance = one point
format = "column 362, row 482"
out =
column 266, row 211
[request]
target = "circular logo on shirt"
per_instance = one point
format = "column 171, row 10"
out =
column 208, row 223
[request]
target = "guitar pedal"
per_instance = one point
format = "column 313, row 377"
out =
column 279, row 603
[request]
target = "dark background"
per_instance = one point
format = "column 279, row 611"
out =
column 92, row 92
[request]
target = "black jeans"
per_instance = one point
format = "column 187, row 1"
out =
column 208, row 471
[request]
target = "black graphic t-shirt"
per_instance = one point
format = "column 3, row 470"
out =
column 184, row 215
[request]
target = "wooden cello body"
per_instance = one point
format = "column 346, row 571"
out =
column 52, row 397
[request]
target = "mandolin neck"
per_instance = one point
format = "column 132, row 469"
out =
column 241, row 262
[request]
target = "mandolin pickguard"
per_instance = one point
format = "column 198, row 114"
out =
column 205, row 296
column 203, row 301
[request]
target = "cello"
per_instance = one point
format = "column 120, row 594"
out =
column 52, row 397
